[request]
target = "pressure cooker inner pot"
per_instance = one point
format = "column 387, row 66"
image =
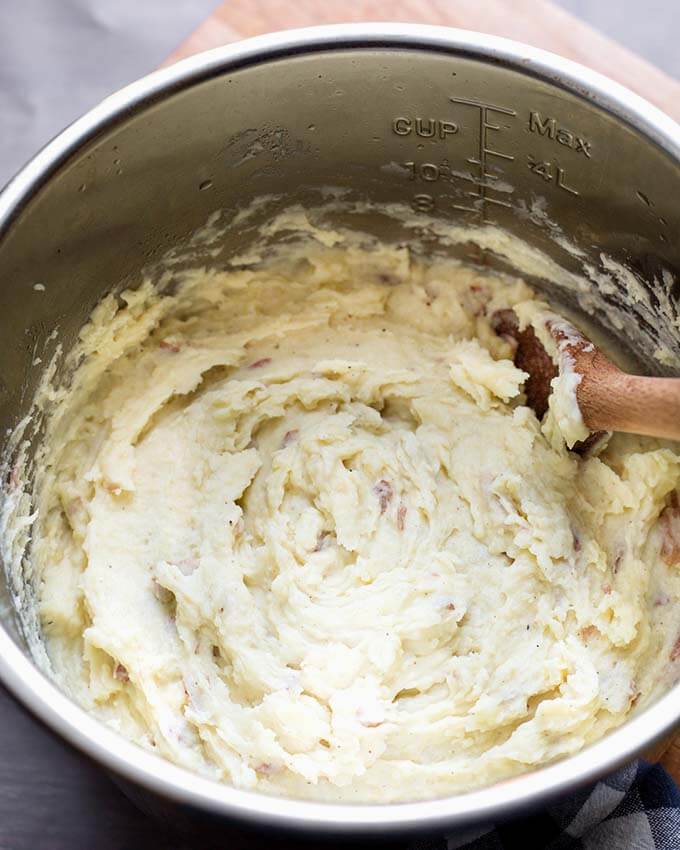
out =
column 455, row 140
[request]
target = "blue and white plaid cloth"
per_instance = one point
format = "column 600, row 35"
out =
column 636, row 808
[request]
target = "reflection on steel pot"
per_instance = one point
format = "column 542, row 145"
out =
column 463, row 129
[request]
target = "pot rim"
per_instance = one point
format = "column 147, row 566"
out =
column 31, row 687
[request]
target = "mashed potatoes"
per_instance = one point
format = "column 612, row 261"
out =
column 299, row 533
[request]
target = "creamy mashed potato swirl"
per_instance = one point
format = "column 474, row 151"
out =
column 299, row 533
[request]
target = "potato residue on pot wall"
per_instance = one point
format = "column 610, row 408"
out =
column 300, row 533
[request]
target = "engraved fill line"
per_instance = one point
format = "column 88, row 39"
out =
column 485, row 124
column 480, row 105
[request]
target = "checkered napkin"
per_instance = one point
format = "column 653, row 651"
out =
column 636, row 808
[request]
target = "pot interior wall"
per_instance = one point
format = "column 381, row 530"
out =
column 450, row 136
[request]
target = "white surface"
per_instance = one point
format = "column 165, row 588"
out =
column 650, row 28
column 60, row 57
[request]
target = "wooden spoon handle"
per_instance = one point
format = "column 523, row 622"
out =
column 611, row 400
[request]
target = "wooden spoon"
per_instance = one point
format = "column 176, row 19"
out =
column 608, row 398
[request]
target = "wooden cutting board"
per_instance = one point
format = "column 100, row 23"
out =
column 535, row 22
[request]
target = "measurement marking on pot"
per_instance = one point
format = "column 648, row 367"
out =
column 553, row 130
column 426, row 128
column 485, row 152
column 487, row 188
column 427, row 171
column 423, row 203
column 551, row 173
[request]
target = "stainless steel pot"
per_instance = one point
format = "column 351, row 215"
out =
column 463, row 127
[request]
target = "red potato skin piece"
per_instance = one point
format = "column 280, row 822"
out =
column 675, row 651
column 289, row 437
column 121, row 673
column 669, row 521
column 169, row 345
column 384, row 492
column 257, row 364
